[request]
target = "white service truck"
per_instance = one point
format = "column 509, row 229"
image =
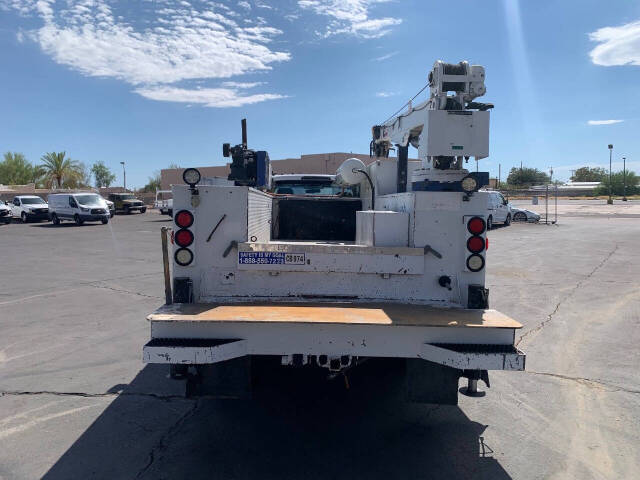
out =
column 408, row 284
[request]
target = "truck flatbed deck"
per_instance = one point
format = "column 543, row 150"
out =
column 340, row 313
column 201, row 333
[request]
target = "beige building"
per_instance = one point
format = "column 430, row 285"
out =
column 313, row 163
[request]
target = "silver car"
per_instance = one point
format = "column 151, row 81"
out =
column 524, row 215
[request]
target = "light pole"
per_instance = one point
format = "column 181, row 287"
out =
column 624, row 179
column 610, row 201
column 124, row 174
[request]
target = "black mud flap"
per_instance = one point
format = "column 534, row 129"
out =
column 228, row 379
column 429, row 382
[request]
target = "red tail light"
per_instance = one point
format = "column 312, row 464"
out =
column 476, row 226
column 183, row 237
column 475, row 244
column 184, row 219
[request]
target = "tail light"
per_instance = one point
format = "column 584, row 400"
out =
column 476, row 243
column 184, row 219
column 183, row 237
column 183, row 256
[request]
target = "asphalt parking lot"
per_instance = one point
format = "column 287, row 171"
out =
column 77, row 402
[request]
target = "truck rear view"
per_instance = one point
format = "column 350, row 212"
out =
column 408, row 284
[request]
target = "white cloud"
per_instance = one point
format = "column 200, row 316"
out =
column 382, row 58
column 604, row 122
column 245, row 5
column 351, row 17
column 617, row 45
column 180, row 43
column 209, row 97
column 386, row 94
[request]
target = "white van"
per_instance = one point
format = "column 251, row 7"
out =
column 499, row 210
column 79, row 207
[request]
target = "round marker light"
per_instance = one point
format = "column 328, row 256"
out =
column 183, row 257
column 469, row 184
column 475, row 244
column 183, row 237
column 476, row 226
column 475, row 262
column 184, row 219
column 191, row 176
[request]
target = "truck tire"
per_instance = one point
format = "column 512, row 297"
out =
column 127, row 210
column 24, row 217
column 105, row 221
column 55, row 219
column 77, row 219
column 489, row 222
column 507, row 221
column 143, row 209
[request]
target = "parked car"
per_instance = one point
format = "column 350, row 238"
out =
column 112, row 207
column 127, row 203
column 79, row 207
column 524, row 215
column 499, row 210
column 5, row 212
column 163, row 202
column 29, row 207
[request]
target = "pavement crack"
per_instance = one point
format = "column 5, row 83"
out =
column 571, row 292
column 89, row 395
column 161, row 445
column 587, row 382
column 94, row 285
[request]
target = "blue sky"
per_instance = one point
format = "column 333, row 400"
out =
column 159, row 82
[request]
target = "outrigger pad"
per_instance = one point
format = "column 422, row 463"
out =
column 429, row 382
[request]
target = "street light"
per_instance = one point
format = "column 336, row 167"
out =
column 624, row 179
column 124, row 174
column 610, row 201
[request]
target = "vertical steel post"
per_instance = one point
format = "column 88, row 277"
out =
column 624, row 179
column 610, row 201
column 165, row 263
column 556, row 221
column 244, row 132
column 546, row 206
column 403, row 159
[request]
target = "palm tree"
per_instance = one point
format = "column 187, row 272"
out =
column 57, row 168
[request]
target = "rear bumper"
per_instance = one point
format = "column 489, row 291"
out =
column 202, row 338
column 94, row 217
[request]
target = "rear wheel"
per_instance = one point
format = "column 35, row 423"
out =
column 489, row 222
column 507, row 220
column 77, row 219
column 55, row 219
column 520, row 217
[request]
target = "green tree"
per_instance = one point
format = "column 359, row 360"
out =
column 522, row 177
column 58, row 169
column 15, row 169
column 586, row 174
column 617, row 184
column 153, row 184
column 82, row 179
column 103, row 175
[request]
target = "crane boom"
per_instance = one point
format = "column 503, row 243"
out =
column 446, row 129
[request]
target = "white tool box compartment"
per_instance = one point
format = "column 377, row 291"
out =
column 382, row 228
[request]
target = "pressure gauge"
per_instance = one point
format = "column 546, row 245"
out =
column 469, row 184
column 191, row 176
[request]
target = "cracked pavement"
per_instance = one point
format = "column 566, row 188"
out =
column 77, row 402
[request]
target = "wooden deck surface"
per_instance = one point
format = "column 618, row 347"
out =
column 343, row 313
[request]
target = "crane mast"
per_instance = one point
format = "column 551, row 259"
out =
column 446, row 129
